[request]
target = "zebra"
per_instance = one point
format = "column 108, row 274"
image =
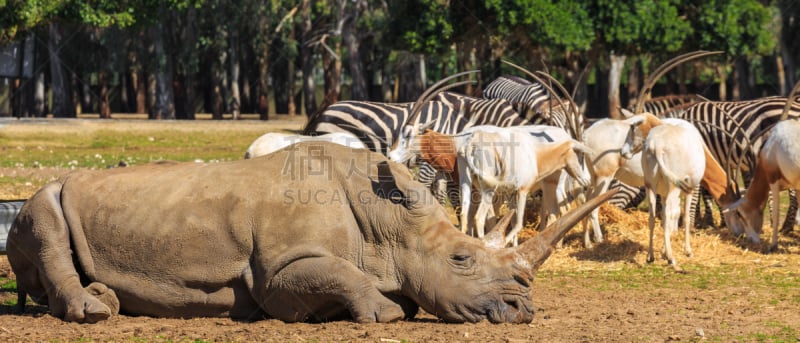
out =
column 533, row 101
column 738, row 148
column 669, row 105
column 378, row 125
column 526, row 97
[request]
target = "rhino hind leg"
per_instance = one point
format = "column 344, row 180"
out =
column 321, row 288
column 40, row 254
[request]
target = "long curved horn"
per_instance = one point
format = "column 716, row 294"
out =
column 536, row 250
column 434, row 90
column 790, row 101
column 573, row 110
column 543, row 83
column 496, row 237
column 663, row 69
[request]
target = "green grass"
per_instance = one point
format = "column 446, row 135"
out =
column 8, row 286
column 108, row 147
column 27, row 147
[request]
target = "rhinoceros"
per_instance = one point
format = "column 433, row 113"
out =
column 314, row 232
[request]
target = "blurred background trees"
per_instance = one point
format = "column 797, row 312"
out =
column 173, row 59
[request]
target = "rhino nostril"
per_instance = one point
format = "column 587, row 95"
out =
column 522, row 281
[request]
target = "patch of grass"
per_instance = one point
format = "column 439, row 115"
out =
column 76, row 144
column 8, row 285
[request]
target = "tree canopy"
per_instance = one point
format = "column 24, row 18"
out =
column 228, row 56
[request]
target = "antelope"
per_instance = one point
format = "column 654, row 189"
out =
column 777, row 167
column 673, row 161
column 452, row 155
column 515, row 159
column 613, row 142
column 274, row 141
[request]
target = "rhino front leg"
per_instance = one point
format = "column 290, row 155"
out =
column 320, row 288
column 40, row 254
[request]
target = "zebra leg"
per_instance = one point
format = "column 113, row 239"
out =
column 692, row 210
column 791, row 213
column 453, row 195
column 708, row 216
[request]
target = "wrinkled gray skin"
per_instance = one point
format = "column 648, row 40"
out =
column 313, row 232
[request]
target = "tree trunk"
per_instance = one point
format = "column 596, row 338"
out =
column 332, row 72
column 105, row 105
column 781, row 74
column 307, row 57
column 409, row 80
column 5, row 97
column 139, row 85
column 358, row 89
column 62, row 93
column 787, row 66
column 85, row 103
column 39, row 99
column 151, row 91
column 164, row 106
column 614, row 77
column 234, row 63
column 634, row 79
column 263, row 84
column 738, row 83
column 280, row 80
column 217, row 96
column 76, row 94
column 291, row 102
column 723, row 83
column 124, row 98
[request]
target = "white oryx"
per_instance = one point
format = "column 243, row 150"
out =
column 673, row 161
column 274, row 141
column 777, row 168
column 614, row 143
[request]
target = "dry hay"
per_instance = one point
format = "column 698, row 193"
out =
column 626, row 236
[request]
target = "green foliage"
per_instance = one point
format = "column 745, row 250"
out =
column 738, row 27
column 21, row 15
column 641, row 26
column 564, row 23
column 422, row 26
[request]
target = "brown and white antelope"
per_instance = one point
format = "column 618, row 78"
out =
column 777, row 168
column 517, row 160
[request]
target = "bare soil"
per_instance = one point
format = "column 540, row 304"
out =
column 731, row 291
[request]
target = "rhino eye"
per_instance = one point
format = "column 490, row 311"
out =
column 462, row 260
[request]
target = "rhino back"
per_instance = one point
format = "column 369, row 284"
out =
column 191, row 239
column 186, row 239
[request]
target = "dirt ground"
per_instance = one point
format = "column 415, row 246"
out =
column 581, row 295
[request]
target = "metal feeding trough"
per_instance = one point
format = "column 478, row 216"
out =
column 8, row 211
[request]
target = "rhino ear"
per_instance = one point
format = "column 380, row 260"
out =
column 396, row 183
column 496, row 238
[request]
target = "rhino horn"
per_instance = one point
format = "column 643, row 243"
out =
column 537, row 249
column 497, row 235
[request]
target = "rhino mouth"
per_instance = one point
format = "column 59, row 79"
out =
column 508, row 309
